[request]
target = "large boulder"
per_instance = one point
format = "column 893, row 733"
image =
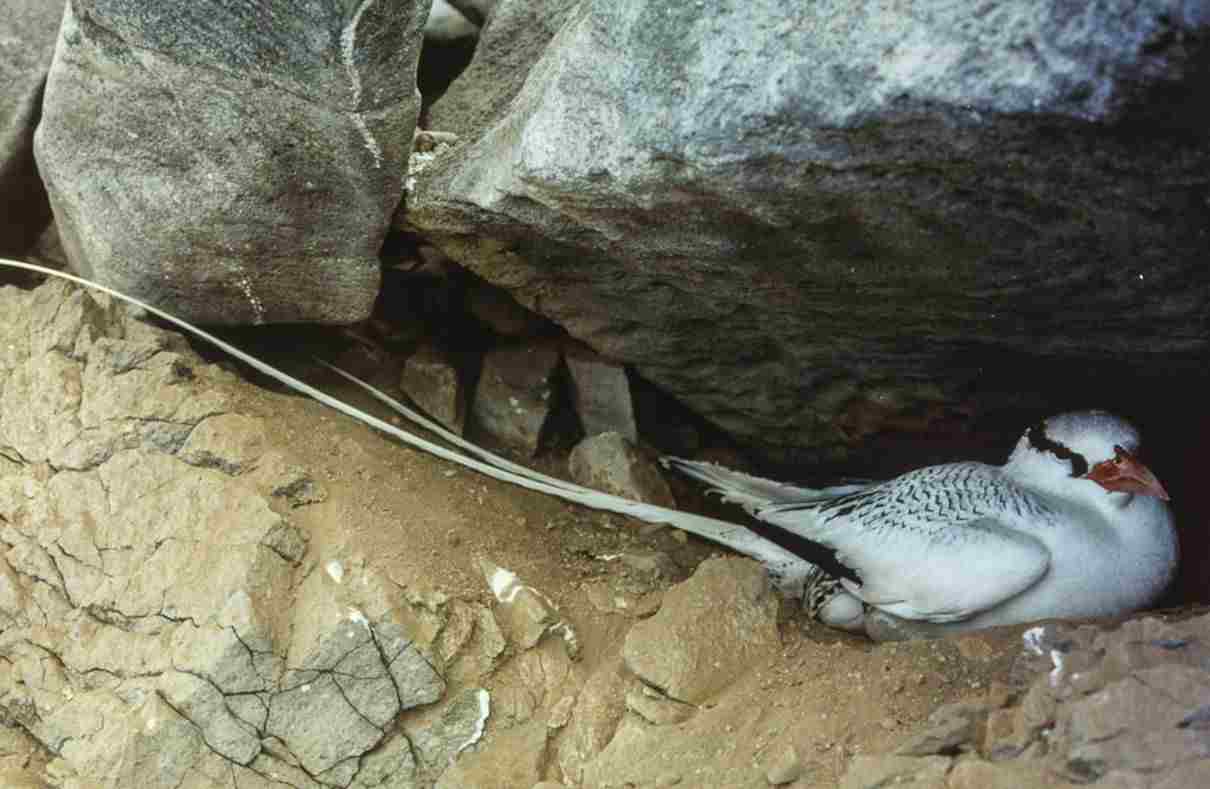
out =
column 232, row 165
column 812, row 223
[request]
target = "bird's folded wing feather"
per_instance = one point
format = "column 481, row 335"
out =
column 922, row 566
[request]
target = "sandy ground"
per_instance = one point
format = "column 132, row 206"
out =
column 424, row 522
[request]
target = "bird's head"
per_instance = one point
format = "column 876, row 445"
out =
column 1084, row 445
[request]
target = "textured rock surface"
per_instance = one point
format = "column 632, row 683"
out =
column 871, row 772
column 447, row 23
column 599, row 708
column 609, row 462
column 516, row 760
column 600, row 393
column 710, row 629
column 517, row 394
column 152, row 600
column 26, row 47
column 431, row 379
column 232, row 165
column 512, row 39
column 813, row 223
column 1121, row 708
column 525, row 613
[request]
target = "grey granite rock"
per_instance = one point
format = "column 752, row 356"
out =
column 600, row 394
column 431, row 379
column 231, row 164
column 815, row 223
column 513, row 38
column 517, row 394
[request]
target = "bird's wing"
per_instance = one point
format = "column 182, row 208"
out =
column 919, row 560
column 751, row 492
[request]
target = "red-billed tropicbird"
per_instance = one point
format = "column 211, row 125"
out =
column 1073, row 525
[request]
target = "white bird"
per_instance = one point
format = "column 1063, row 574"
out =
column 1072, row 526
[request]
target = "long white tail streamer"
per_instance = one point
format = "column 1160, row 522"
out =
column 450, row 436
column 788, row 570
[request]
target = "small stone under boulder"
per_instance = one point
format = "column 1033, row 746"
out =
column 517, row 394
column 600, row 393
column 610, row 463
column 431, row 379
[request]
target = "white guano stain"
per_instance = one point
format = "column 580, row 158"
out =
column 485, row 711
column 1056, row 674
column 570, row 637
column 505, row 585
column 243, row 284
column 258, row 307
column 335, row 570
column 1033, row 640
column 348, row 51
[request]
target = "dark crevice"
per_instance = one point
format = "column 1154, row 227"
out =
column 386, row 664
column 62, row 588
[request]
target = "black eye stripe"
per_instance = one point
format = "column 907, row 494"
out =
column 1043, row 443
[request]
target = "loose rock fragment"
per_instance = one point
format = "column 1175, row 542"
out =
column 527, row 613
column 517, row 394
column 609, row 462
column 431, row 379
column 600, row 394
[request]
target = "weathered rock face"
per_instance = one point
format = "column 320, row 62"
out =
column 232, row 166
column 516, row 395
column 26, row 49
column 600, row 392
column 151, row 599
column 808, row 222
column 1126, row 707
